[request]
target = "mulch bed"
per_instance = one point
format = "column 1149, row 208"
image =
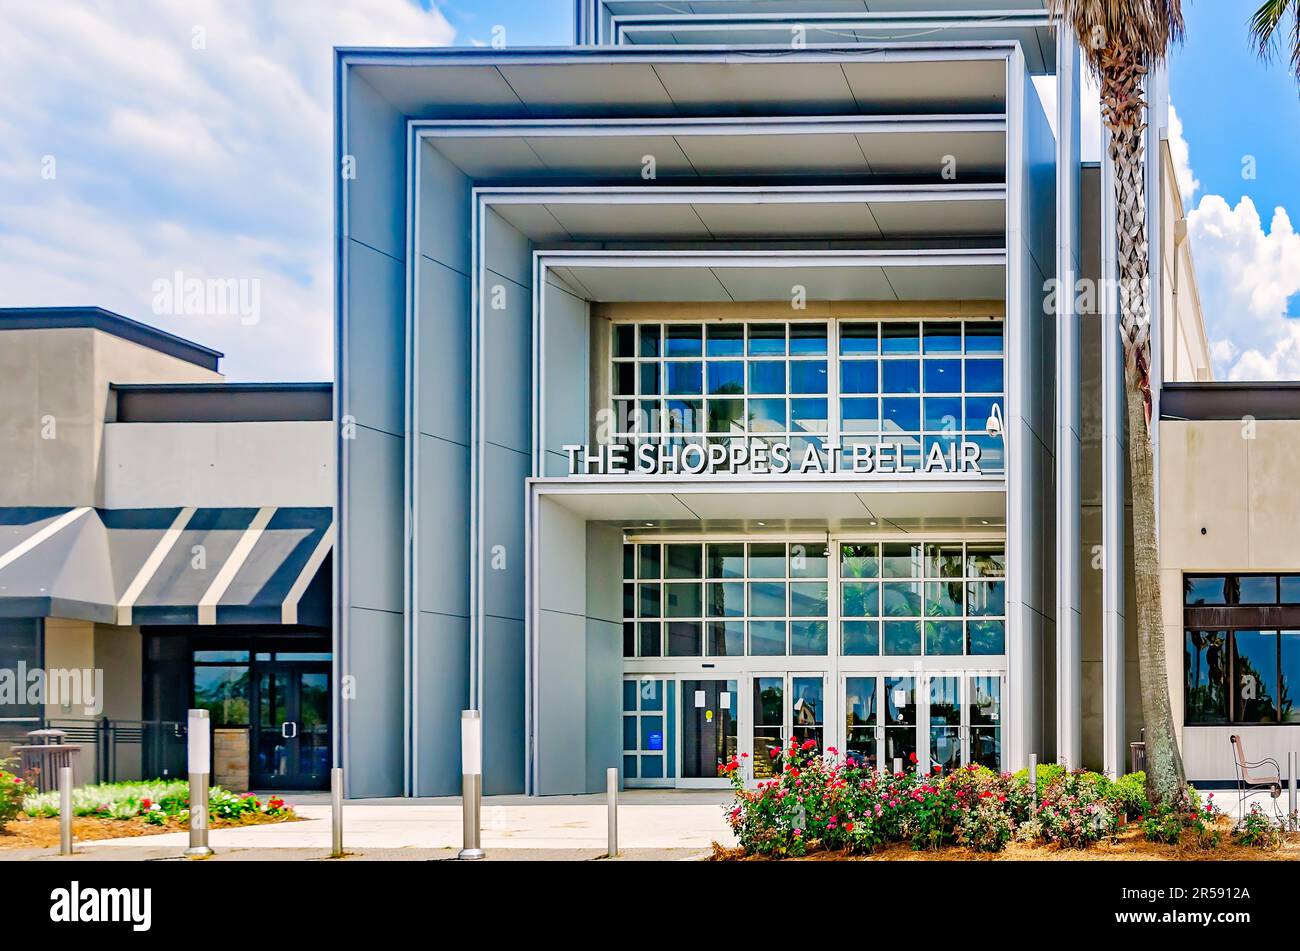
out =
column 28, row 833
column 1130, row 846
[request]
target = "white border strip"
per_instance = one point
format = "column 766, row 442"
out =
column 208, row 603
column 27, row 544
column 151, row 565
column 289, row 610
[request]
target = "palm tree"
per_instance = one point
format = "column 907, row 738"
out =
column 1121, row 40
column 1264, row 24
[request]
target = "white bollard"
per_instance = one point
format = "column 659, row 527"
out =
column 471, row 784
column 611, row 796
column 200, row 758
column 336, row 811
column 1291, row 791
column 65, row 810
column 1033, row 776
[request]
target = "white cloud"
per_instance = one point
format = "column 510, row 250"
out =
column 1181, row 154
column 191, row 137
column 1246, row 275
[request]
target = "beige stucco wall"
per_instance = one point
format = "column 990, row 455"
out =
column 1227, row 503
column 55, row 383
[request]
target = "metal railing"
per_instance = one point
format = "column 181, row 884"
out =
column 112, row 750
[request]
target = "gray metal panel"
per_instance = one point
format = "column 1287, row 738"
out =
column 374, row 662
column 375, row 522
column 376, row 342
column 503, row 532
column 444, row 195
column 604, row 661
column 376, row 197
column 561, row 684
column 442, row 377
column 442, row 676
column 503, row 703
column 564, row 375
column 443, row 529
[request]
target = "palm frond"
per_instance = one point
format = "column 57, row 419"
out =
column 1265, row 30
column 1146, row 28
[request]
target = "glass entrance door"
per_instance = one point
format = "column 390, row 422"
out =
column 292, row 744
column 709, row 730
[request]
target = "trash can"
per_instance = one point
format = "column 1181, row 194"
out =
column 41, row 759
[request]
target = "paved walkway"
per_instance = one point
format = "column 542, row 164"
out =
column 652, row 824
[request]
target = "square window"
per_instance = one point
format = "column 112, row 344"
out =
column 900, row 376
column 942, row 336
column 767, row 599
column 726, row 638
column 685, row 378
column 649, row 638
column 1197, row 591
column 767, row 560
column 860, row 415
column 943, row 561
column 902, row 560
column 624, row 379
column 648, row 605
column 983, row 337
column 807, row 339
column 726, row 599
column 684, row 561
column 685, row 638
column 986, row 598
column 684, row 599
column 861, row 560
column 647, row 561
column 944, row 637
column 983, row 376
column 649, row 340
column 943, row 376
column 766, row 340
column 684, row 416
column 648, row 384
column 858, row 338
column 943, row 599
column 859, row 599
column 725, row 340
column 767, row 416
column 986, row 560
column 684, row 340
column 726, row 560
column 808, row 416
column 767, row 376
column 766, row 638
column 808, row 638
column 624, row 340
column 901, row 415
column 860, row 638
column 979, row 410
column 902, row 638
column 726, row 416
column 808, row 599
column 859, row 376
column 1257, row 589
column 900, row 599
column 900, row 337
column 808, row 559
column 942, row 414
column 725, row 376
column 808, row 376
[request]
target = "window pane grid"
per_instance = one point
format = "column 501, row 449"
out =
column 922, row 599
column 914, row 384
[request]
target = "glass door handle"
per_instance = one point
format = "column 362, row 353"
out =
column 285, row 728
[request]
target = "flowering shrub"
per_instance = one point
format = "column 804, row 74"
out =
column 1258, row 830
column 1169, row 822
column 837, row 803
column 12, row 793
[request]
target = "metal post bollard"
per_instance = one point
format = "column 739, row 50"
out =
column 65, row 810
column 1291, row 819
column 336, row 811
column 471, row 786
column 611, row 795
column 898, row 765
column 200, row 758
column 1033, row 776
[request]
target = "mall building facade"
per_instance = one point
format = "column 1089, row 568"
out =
column 706, row 383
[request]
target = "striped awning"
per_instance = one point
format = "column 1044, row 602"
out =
column 166, row 565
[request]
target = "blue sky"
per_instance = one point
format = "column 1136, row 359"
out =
column 163, row 139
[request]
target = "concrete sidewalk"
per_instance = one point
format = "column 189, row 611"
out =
column 652, row 824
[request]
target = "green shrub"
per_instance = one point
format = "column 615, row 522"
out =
column 1130, row 793
column 157, row 801
column 1169, row 822
column 12, row 793
column 1258, row 830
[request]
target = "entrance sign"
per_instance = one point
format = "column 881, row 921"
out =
column 762, row 457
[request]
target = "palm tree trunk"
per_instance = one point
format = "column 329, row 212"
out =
column 1165, row 777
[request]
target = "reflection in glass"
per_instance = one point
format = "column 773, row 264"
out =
column 768, row 711
column 1206, row 676
column 1254, row 676
column 860, row 638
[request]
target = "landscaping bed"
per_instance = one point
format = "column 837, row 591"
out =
column 29, row 819
column 825, row 807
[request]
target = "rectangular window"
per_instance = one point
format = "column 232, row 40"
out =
column 934, row 599
column 726, row 599
column 21, row 643
column 913, row 384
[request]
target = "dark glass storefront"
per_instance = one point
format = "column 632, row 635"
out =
column 272, row 684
